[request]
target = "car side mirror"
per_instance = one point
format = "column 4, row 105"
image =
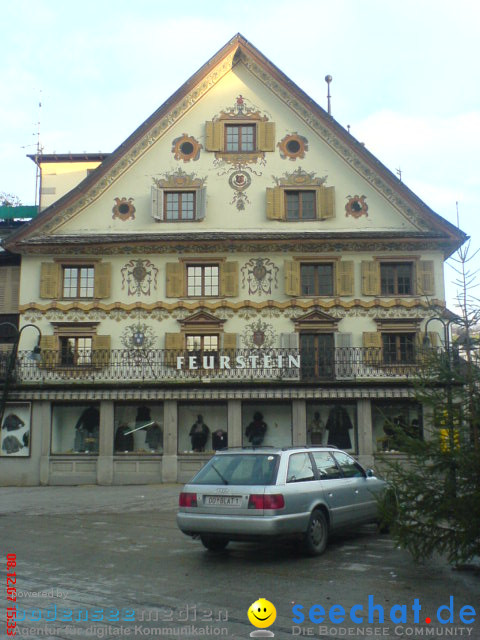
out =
column 370, row 473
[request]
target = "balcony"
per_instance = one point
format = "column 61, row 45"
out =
column 119, row 366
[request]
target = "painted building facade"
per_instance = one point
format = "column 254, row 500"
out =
column 239, row 271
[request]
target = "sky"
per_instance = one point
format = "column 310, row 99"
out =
column 405, row 79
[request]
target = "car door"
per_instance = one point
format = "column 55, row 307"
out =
column 339, row 491
column 301, row 486
column 365, row 504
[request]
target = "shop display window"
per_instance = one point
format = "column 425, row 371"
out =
column 202, row 427
column 387, row 416
column 15, row 431
column 266, row 424
column 138, row 428
column 75, row 429
column 332, row 424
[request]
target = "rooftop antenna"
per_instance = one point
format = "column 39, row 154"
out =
column 38, row 154
column 399, row 173
column 328, row 80
column 458, row 215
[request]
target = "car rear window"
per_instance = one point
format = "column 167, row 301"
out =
column 239, row 469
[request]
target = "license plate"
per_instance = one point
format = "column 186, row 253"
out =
column 223, row 501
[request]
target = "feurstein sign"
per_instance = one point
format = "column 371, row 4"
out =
column 245, row 361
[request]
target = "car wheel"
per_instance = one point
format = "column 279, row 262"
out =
column 316, row 536
column 213, row 543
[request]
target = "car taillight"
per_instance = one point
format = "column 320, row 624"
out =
column 267, row 501
column 187, row 499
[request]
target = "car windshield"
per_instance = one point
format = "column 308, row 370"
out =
column 243, row 469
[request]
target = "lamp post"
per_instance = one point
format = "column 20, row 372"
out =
column 450, row 419
column 12, row 358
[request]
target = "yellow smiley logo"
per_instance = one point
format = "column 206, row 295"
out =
column 262, row 613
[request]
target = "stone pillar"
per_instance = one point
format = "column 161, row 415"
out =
column 365, row 432
column 234, row 412
column 43, row 417
column 170, row 441
column 105, row 445
column 299, row 422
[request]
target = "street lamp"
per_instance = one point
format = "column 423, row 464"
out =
column 450, row 419
column 12, row 358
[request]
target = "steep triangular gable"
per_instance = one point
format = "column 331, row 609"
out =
column 159, row 123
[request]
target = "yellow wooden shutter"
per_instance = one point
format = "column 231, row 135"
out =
column 325, row 202
column 50, row 280
column 9, row 289
column 275, row 203
column 372, row 343
column 292, row 277
column 103, row 278
column 49, row 351
column 344, row 276
column 101, row 350
column 175, row 280
column 371, row 278
column 425, row 278
column 266, row 136
column 229, row 279
column 174, row 341
column 214, row 136
column 230, row 344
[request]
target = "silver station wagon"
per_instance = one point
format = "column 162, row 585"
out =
column 259, row 493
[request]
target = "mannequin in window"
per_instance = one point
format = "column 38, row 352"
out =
column 256, row 430
column 199, row 434
column 219, row 440
column 315, row 430
column 123, row 439
column 86, row 430
column 338, row 427
column 153, row 431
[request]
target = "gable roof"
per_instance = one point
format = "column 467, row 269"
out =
column 238, row 49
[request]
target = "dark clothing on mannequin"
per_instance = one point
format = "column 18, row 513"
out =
column 219, row 440
column 123, row 442
column 338, row 426
column 199, row 435
column 89, row 420
column 256, row 430
column 154, row 436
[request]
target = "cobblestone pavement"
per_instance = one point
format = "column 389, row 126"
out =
column 89, row 549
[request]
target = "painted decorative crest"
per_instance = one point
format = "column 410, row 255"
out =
column 138, row 276
column 356, row 206
column 137, row 337
column 186, row 148
column 293, row 146
column 123, row 209
column 298, row 178
column 259, row 335
column 179, row 179
column 261, row 276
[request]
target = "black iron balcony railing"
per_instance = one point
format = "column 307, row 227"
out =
column 159, row 365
